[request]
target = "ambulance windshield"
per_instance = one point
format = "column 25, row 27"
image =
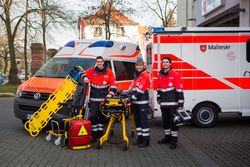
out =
column 60, row 67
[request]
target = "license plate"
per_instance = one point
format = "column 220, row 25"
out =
column 28, row 116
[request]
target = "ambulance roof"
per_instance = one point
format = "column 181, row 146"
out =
column 105, row 48
column 199, row 29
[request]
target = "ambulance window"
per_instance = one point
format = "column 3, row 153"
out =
column 248, row 51
column 107, row 64
column 124, row 70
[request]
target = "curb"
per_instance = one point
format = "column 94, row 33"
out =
column 7, row 94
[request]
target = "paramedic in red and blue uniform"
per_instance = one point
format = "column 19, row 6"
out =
column 103, row 84
column 140, row 100
column 169, row 97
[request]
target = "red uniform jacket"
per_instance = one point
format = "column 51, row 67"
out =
column 140, row 88
column 169, row 89
column 102, row 82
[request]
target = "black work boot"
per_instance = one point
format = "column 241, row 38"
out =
column 173, row 142
column 138, row 141
column 145, row 142
column 165, row 140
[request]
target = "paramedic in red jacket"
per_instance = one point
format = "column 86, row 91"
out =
column 170, row 97
column 103, row 84
column 140, row 100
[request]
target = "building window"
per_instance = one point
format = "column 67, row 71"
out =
column 97, row 31
column 120, row 31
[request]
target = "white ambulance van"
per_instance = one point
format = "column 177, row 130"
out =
column 118, row 56
column 214, row 64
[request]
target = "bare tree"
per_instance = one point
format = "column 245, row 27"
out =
column 52, row 13
column 12, row 21
column 163, row 9
column 105, row 14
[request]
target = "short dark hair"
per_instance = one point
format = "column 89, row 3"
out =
column 139, row 62
column 99, row 57
column 168, row 58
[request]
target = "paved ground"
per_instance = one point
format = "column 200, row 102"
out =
column 227, row 144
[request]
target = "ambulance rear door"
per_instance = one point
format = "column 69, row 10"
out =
column 244, row 78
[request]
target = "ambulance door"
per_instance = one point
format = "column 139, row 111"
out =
column 244, row 80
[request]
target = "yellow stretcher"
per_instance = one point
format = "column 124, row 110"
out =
column 115, row 108
column 54, row 103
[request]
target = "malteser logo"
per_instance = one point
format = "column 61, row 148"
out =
column 203, row 48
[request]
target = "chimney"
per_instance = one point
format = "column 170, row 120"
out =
column 36, row 57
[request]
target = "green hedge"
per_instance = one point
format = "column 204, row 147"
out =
column 8, row 88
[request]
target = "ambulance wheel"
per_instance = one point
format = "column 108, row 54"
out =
column 58, row 141
column 125, row 146
column 98, row 146
column 48, row 137
column 205, row 115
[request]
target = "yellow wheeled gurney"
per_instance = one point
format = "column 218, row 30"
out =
column 115, row 109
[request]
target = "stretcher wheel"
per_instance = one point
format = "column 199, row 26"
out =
column 125, row 146
column 98, row 146
column 58, row 141
column 48, row 137
column 132, row 133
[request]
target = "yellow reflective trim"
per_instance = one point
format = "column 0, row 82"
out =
column 81, row 147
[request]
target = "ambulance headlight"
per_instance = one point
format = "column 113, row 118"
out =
column 19, row 93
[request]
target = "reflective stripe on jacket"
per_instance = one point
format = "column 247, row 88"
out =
column 169, row 89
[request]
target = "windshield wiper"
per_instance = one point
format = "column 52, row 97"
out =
column 39, row 75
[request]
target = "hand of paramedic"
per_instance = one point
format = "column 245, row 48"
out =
column 86, row 80
column 108, row 96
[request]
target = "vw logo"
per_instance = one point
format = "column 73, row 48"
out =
column 37, row 96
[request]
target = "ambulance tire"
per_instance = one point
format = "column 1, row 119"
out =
column 205, row 115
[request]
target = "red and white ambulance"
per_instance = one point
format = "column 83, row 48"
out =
column 214, row 64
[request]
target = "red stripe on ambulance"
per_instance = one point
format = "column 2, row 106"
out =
column 243, row 83
column 193, row 78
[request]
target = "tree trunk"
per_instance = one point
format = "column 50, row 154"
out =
column 44, row 35
column 13, row 79
column 25, row 43
column 5, row 63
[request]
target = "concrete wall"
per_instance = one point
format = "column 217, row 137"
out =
column 245, row 16
column 185, row 13
column 230, row 6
